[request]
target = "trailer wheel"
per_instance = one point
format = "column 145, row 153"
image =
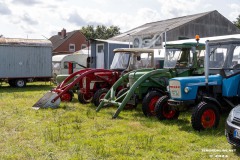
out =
column 20, row 83
column 206, row 115
column 84, row 98
column 99, row 95
column 163, row 111
column 149, row 102
column 67, row 97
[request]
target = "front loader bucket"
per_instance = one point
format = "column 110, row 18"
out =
column 47, row 101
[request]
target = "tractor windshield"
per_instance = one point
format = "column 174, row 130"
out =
column 224, row 56
column 178, row 58
column 217, row 56
column 120, row 61
column 141, row 60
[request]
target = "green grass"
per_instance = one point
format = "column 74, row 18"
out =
column 76, row 131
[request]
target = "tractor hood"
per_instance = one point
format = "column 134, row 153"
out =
column 185, row 88
column 136, row 75
column 199, row 80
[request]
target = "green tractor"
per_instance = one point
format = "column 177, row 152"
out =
column 182, row 58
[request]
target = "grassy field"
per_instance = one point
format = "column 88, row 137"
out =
column 76, row 131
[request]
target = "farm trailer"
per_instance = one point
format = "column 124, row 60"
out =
column 209, row 95
column 24, row 60
column 182, row 58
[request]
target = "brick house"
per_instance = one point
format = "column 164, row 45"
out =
column 68, row 42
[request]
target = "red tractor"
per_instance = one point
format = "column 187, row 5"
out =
column 93, row 84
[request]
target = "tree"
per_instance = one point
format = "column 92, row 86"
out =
column 1, row 36
column 237, row 23
column 100, row 32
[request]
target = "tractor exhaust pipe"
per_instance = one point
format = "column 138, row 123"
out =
column 206, row 64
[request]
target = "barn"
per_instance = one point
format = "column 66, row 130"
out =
column 152, row 35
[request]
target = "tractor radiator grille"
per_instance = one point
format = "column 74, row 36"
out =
column 236, row 121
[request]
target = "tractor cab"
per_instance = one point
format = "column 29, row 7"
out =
column 185, row 56
column 128, row 59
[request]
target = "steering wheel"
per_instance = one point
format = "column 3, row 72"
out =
column 236, row 66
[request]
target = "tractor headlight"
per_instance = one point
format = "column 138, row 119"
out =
column 187, row 89
column 168, row 88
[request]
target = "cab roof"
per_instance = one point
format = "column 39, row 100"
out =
column 134, row 50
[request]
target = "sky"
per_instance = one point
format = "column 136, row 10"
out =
column 38, row 19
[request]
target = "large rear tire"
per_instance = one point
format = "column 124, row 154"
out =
column 84, row 98
column 149, row 102
column 100, row 94
column 163, row 110
column 206, row 115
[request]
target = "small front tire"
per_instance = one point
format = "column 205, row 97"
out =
column 163, row 110
column 100, row 94
column 84, row 98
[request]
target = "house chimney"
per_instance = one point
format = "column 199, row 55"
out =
column 63, row 33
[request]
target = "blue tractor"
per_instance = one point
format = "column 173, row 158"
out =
column 207, row 95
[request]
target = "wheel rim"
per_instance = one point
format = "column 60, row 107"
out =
column 152, row 104
column 208, row 118
column 102, row 96
column 87, row 97
column 20, row 83
column 167, row 112
column 66, row 97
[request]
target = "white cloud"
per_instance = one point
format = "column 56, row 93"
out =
column 4, row 10
column 235, row 11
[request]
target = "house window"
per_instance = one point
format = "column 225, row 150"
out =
column 83, row 46
column 72, row 47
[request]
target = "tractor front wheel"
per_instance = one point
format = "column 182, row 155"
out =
column 149, row 102
column 163, row 110
column 206, row 115
column 99, row 95
column 84, row 98
column 67, row 97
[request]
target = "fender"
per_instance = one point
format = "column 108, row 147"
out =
column 213, row 100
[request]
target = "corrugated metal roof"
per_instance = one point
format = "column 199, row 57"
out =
column 159, row 26
column 25, row 42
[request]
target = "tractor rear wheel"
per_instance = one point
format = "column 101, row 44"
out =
column 163, row 110
column 206, row 115
column 67, row 97
column 84, row 98
column 99, row 95
column 149, row 102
